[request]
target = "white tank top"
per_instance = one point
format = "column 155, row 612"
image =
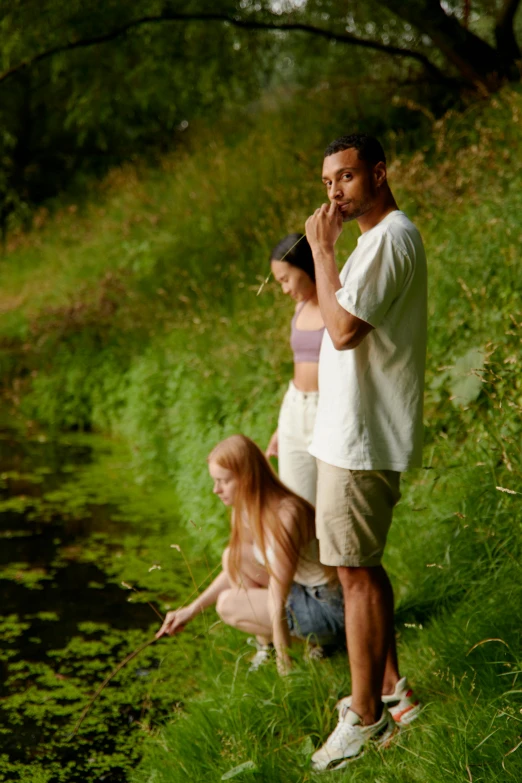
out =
column 310, row 571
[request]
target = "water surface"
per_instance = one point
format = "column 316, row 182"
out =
column 75, row 522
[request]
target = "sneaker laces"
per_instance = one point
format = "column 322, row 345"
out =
column 343, row 730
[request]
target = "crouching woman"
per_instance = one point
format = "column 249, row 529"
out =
column 272, row 584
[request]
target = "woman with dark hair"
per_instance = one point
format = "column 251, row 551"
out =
column 292, row 265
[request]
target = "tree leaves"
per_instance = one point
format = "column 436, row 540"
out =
column 463, row 379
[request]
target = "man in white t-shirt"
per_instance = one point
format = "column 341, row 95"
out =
column 369, row 423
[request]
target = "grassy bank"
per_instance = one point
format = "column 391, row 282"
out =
column 137, row 315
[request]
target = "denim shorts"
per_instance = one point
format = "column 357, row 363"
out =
column 316, row 613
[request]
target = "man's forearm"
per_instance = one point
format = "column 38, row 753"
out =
column 336, row 319
column 345, row 329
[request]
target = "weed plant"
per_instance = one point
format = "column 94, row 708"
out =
column 139, row 318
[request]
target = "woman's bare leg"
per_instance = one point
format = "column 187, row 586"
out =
column 246, row 610
column 245, row 605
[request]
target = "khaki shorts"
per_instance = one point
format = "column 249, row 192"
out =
column 354, row 513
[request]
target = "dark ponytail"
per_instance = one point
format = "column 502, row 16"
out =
column 299, row 256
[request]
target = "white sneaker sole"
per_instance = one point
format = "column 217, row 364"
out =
column 384, row 741
column 407, row 716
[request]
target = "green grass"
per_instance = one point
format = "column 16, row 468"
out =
column 139, row 318
column 455, row 564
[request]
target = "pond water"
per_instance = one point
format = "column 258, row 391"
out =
column 77, row 530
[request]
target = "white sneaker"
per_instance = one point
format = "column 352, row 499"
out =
column 348, row 739
column 263, row 654
column 404, row 707
column 313, row 652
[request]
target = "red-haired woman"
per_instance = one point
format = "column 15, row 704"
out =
column 272, row 584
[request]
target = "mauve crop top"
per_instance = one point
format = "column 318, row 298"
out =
column 305, row 344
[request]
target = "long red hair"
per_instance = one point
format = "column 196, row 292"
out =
column 258, row 498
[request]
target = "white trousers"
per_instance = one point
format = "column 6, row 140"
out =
column 297, row 467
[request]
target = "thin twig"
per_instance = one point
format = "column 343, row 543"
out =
column 198, row 587
column 138, row 592
column 267, row 278
column 189, row 569
column 513, row 749
column 108, row 679
column 485, row 641
column 136, row 652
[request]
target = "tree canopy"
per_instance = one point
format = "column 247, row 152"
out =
column 85, row 85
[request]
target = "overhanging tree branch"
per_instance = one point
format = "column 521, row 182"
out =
column 246, row 24
column 477, row 61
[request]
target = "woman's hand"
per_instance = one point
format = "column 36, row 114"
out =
column 272, row 448
column 175, row 621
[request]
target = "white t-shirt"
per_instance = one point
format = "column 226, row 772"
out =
column 370, row 398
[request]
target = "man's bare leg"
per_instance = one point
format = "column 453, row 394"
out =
column 391, row 670
column 368, row 601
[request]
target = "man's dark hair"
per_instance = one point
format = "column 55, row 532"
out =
column 368, row 148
